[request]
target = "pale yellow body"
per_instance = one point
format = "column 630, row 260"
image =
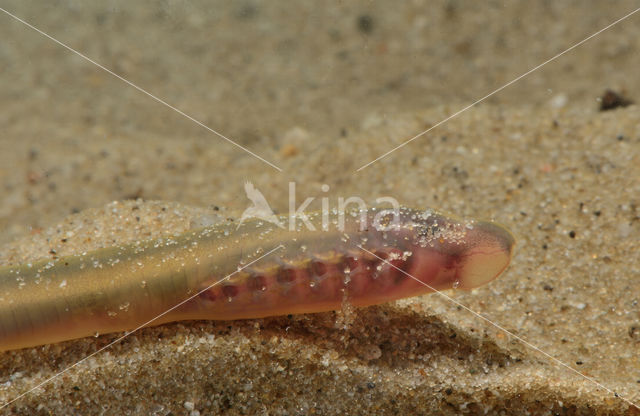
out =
column 121, row 288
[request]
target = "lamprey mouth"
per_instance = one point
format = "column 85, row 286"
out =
column 489, row 254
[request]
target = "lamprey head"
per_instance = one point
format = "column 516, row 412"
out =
column 488, row 255
column 467, row 254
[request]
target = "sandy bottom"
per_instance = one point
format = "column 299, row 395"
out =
column 540, row 159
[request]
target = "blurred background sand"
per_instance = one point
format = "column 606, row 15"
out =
column 319, row 90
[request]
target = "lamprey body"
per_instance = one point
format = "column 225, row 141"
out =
column 320, row 267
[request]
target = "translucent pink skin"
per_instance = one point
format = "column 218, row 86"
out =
column 124, row 287
column 418, row 256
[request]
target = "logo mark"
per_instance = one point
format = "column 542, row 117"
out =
column 260, row 208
